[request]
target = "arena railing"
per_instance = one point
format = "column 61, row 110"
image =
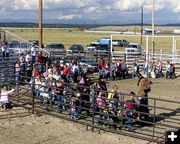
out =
column 153, row 129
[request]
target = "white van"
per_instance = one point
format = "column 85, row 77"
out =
column 133, row 48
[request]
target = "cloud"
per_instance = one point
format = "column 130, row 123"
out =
column 103, row 10
column 69, row 17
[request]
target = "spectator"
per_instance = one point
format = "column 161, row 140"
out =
column 5, row 97
column 36, row 73
column 33, row 54
column 4, row 47
column 28, row 57
column 22, row 64
column 160, row 69
column 7, row 51
column 136, row 72
column 17, row 72
column 112, row 71
column 29, row 70
column 40, row 61
column 168, row 69
column 146, row 68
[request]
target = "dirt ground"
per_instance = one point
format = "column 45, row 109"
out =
column 49, row 130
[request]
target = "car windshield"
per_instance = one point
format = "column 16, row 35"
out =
column 132, row 46
column 76, row 47
column 102, row 47
column 93, row 45
column 59, row 46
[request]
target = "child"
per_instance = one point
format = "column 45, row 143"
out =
column 5, row 97
column 130, row 111
column 73, row 111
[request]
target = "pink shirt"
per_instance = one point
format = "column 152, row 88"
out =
column 4, row 96
column 17, row 67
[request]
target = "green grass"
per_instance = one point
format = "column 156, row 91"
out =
column 75, row 36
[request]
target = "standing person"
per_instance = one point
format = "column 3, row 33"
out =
column 28, row 57
column 17, row 71
column 7, row 51
column 40, row 62
column 136, row 72
column 4, row 50
column 160, row 69
column 112, row 71
column 168, row 69
column 29, row 70
column 146, row 65
column 33, row 54
column 22, row 64
column 75, row 70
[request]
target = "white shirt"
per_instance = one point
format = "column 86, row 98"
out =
column 3, row 48
column 28, row 58
column 75, row 67
column 33, row 51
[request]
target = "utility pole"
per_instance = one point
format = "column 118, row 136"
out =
column 142, row 19
column 40, row 23
column 153, row 42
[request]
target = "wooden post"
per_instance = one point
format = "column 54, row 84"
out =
column 40, row 23
column 153, row 42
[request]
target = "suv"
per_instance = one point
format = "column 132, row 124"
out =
column 56, row 50
column 133, row 48
column 76, row 48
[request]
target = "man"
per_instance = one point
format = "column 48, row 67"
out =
column 33, row 54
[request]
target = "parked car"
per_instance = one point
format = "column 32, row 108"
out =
column 55, row 49
column 76, row 48
column 14, row 44
column 92, row 46
column 34, row 42
column 85, row 63
column 121, row 43
column 133, row 48
column 90, row 65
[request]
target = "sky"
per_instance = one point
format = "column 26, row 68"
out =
column 90, row 11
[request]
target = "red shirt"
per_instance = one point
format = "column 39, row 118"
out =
column 66, row 71
column 39, row 58
column 102, row 64
column 36, row 73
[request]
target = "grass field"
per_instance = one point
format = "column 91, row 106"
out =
column 75, row 36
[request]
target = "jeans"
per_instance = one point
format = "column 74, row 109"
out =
column 135, row 74
column 17, row 78
column 112, row 75
column 73, row 114
column 60, row 100
column 129, row 123
column 33, row 59
column 102, row 117
column 4, row 54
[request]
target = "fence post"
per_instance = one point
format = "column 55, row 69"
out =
column 147, row 47
column 154, row 118
column 32, row 92
column 93, row 113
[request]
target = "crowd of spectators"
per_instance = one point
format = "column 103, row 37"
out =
column 65, row 87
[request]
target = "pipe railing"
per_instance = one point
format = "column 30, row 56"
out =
column 154, row 130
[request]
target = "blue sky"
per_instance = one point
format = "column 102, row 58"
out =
column 101, row 11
